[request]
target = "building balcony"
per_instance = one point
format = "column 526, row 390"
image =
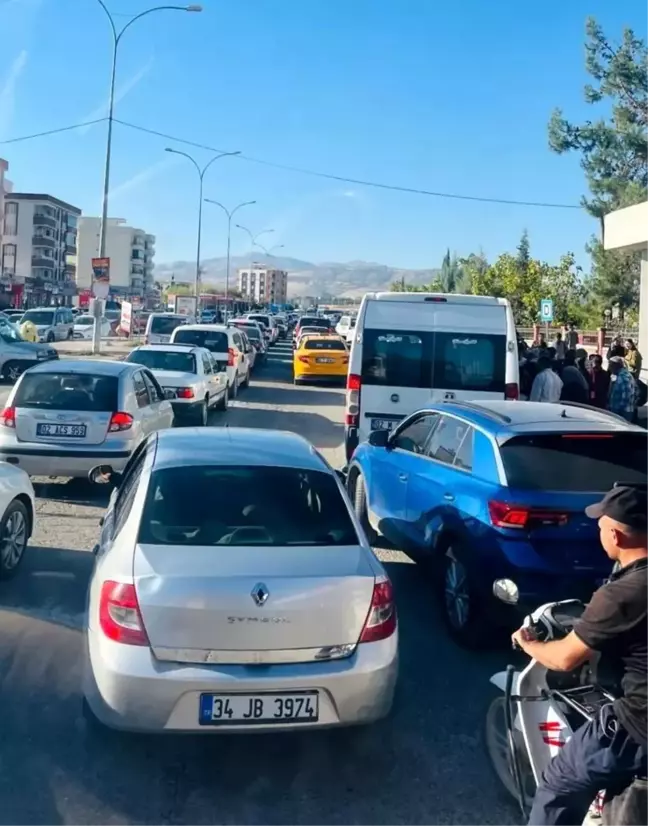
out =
column 70, row 249
column 44, row 221
column 136, row 281
column 42, row 261
column 138, row 241
column 43, row 241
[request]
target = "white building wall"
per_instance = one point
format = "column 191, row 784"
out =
column 122, row 241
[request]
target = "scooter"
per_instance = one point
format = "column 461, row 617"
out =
column 539, row 710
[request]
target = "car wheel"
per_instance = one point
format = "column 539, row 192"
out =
column 245, row 384
column 14, row 534
column 460, row 604
column 13, row 370
column 222, row 404
column 360, row 506
column 202, row 414
column 69, row 335
column 233, row 389
column 50, row 337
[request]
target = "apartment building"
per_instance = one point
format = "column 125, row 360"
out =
column 263, row 285
column 39, row 245
column 130, row 250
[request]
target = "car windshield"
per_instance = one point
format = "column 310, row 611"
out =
column 39, row 317
column 575, row 462
column 67, row 391
column 83, row 321
column 9, row 333
column 213, row 340
column 164, row 325
column 323, row 344
column 164, row 360
column 274, row 506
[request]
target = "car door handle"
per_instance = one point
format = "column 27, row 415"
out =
column 448, row 497
column 402, row 477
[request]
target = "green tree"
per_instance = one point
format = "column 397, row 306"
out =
column 524, row 251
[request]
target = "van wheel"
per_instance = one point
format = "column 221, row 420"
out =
column 360, row 507
column 459, row 600
column 13, row 370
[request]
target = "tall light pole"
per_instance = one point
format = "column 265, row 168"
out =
column 201, row 178
column 230, row 215
column 117, row 36
column 269, row 252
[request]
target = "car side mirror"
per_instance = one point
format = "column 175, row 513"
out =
column 379, row 438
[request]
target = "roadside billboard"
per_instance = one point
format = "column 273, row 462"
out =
column 126, row 320
column 185, row 305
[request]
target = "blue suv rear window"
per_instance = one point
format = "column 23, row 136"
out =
column 581, row 462
column 452, row 361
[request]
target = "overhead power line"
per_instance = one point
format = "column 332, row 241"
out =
column 302, row 171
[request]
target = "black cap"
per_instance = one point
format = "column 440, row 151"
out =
column 625, row 504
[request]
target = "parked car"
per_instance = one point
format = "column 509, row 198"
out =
column 160, row 327
column 320, row 358
column 189, row 376
column 226, row 345
column 18, row 509
column 18, row 355
column 63, row 418
column 414, row 349
column 488, row 494
column 84, row 327
column 234, row 591
column 52, row 323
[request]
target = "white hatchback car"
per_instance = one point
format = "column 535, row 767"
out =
column 190, row 376
column 256, row 605
column 225, row 344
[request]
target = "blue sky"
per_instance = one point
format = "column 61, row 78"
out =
column 448, row 97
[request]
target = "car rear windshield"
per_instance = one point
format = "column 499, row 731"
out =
column 164, row 360
column 248, row 329
column 212, row 340
column 575, row 462
column 309, row 321
column 262, row 319
column 274, row 506
column 450, row 361
column 164, row 325
column 323, row 344
column 39, row 317
column 67, row 391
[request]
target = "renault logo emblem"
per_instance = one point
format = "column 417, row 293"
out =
column 260, row 594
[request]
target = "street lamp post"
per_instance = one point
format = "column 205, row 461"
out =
column 230, row 215
column 269, row 252
column 201, row 177
column 117, row 36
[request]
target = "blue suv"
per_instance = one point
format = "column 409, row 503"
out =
column 490, row 497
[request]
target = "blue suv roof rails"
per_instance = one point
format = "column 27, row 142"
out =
column 595, row 409
column 484, row 411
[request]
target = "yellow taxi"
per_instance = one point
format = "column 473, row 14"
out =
column 320, row 358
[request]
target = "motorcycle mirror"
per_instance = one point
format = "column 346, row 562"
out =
column 506, row 591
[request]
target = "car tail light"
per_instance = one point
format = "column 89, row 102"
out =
column 8, row 417
column 345, row 359
column 381, row 619
column 512, row 391
column 354, row 383
column 505, row 515
column 303, row 359
column 184, row 393
column 119, row 614
column 230, row 357
column 120, row 421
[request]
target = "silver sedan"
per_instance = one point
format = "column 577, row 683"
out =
column 234, row 590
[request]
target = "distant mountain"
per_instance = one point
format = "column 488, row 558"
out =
column 349, row 280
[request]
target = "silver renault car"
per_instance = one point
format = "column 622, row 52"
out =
column 63, row 418
column 235, row 590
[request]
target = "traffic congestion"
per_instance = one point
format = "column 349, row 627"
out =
column 317, row 532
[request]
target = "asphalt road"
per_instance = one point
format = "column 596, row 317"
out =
column 425, row 764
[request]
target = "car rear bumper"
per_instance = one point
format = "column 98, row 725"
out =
column 56, row 460
column 127, row 688
column 323, row 377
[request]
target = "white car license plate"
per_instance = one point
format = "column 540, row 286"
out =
column 248, row 709
column 78, row 430
column 383, row 424
column 324, row 361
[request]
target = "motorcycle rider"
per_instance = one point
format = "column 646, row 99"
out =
column 607, row 752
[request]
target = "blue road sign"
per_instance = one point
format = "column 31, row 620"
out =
column 546, row 310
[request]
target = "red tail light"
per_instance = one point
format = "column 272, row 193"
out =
column 230, row 357
column 345, row 359
column 505, row 515
column 512, row 391
column 352, row 415
column 120, row 421
column 119, row 614
column 381, row 620
column 8, row 417
column 184, row 393
column 303, row 359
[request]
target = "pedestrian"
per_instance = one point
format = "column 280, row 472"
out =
column 623, row 389
column 575, row 386
column 540, row 343
column 600, row 382
column 560, row 347
column 547, row 385
column 571, row 337
column 616, row 348
column 633, row 359
column 28, row 331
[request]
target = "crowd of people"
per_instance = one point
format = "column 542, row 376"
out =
column 563, row 371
